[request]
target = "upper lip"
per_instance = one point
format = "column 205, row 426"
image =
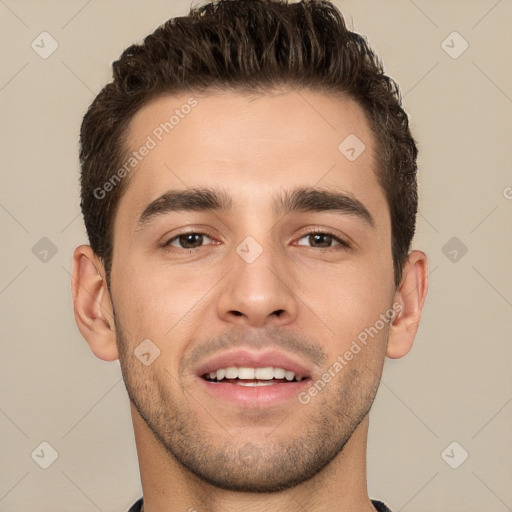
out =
column 252, row 359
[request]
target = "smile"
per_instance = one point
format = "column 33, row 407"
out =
column 246, row 376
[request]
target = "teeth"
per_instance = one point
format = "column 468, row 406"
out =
column 243, row 372
column 266, row 373
column 246, row 373
column 254, row 384
column 232, row 372
column 279, row 373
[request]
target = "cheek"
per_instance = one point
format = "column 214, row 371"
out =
column 349, row 300
column 153, row 300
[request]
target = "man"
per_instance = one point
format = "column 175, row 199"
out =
column 249, row 193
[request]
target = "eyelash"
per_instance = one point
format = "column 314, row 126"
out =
column 342, row 244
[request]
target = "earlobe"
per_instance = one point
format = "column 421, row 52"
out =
column 410, row 296
column 92, row 305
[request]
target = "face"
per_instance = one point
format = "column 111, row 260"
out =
column 270, row 268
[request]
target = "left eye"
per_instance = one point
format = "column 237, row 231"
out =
column 323, row 239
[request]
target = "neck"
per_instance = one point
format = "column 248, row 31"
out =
column 167, row 485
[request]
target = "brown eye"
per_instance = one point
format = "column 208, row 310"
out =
column 188, row 240
column 323, row 240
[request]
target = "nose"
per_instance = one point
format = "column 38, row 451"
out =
column 258, row 293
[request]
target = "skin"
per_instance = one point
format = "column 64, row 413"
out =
column 195, row 450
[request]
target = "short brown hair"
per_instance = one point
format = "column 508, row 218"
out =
column 249, row 45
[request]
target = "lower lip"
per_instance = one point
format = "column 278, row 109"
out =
column 257, row 396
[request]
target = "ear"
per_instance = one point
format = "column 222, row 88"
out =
column 410, row 295
column 92, row 304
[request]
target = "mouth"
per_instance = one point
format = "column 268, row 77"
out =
column 247, row 379
column 247, row 376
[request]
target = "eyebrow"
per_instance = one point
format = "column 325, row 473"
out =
column 305, row 199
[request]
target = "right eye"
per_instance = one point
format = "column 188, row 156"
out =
column 191, row 240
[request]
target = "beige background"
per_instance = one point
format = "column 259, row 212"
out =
column 456, row 383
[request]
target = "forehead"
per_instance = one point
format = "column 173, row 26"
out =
column 252, row 145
